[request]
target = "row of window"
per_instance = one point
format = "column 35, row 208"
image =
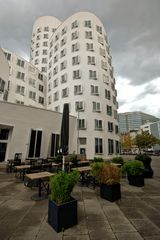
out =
column 98, row 124
column 21, row 90
column 113, row 146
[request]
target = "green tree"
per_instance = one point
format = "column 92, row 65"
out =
column 145, row 140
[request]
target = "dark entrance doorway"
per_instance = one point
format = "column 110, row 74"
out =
column 3, row 147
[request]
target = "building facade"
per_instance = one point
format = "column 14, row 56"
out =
column 133, row 120
column 26, row 84
column 80, row 73
column 4, row 76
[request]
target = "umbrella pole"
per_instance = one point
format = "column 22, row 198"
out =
column 63, row 162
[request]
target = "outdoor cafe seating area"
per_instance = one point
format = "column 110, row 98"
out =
column 35, row 172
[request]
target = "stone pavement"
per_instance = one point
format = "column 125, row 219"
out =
column 135, row 217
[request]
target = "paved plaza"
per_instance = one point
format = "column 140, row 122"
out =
column 136, row 216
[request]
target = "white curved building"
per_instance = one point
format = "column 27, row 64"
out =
column 43, row 29
column 80, row 73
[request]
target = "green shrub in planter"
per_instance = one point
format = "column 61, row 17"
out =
column 134, row 170
column 108, row 176
column 118, row 160
column 73, row 158
column 59, row 158
column 62, row 208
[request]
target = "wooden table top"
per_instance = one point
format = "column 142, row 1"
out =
column 21, row 167
column 40, row 175
column 83, row 169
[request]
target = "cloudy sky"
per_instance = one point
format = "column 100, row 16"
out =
column 133, row 28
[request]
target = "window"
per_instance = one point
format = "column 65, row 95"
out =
column 111, row 73
column 87, row 23
column 44, row 60
column 109, row 61
column 63, row 41
column 63, row 65
column 36, row 53
column 56, row 96
column 54, row 145
column 116, row 129
column 45, row 44
column 2, row 85
column 91, row 60
column 112, row 86
column 56, row 48
column 100, row 40
column 55, row 58
column 8, row 56
column 102, row 52
column 49, row 100
column 99, row 29
column 64, row 78
column 40, row 76
column 65, row 92
column 74, row 24
column 45, row 36
column 117, row 147
column 94, row 90
column 79, row 106
column 75, row 47
column 40, row 88
column 75, row 35
column 57, row 108
column 55, row 82
column 32, row 82
column 104, row 65
column 88, row 35
column 63, row 52
column 37, row 45
column 89, row 47
column 110, row 126
column 64, row 30
column 35, row 143
column 98, row 124
column 32, row 95
column 76, row 74
column 98, row 145
column 56, row 37
column 114, row 100
column 49, row 75
column 83, row 141
column 78, row 89
column 19, row 102
column 105, row 79
column 110, row 146
column 20, row 63
column 75, row 60
column 38, row 30
column 46, row 29
column 92, row 75
column 50, row 64
column 49, row 87
column 38, row 37
column 44, row 52
column 81, row 124
column 44, row 69
column 107, row 94
column 96, row 106
column 20, row 75
column 109, row 110
column 115, row 114
column 41, row 100
column 55, row 70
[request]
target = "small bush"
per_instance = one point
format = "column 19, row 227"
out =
column 118, row 160
column 73, row 158
column 133, row 167
column 98, row 159
column 143, row 158
column 62, row 185
column 106, row 173
column 59, row 158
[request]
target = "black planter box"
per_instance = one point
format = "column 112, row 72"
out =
column 110, row 192
column 137, row 181
column 63, row 216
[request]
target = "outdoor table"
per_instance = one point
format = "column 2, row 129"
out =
column 22, row 169
column 116, row 164
column 41, row 177
column 83, row 171
column 83, row 162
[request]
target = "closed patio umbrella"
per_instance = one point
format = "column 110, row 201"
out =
column 65, row 132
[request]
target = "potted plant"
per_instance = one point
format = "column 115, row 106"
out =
column 62, row 208
column 73, row 159
column 108, row 176
column 98, row 159
column 118, row 160
column 148, row 171
column 134, row 170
